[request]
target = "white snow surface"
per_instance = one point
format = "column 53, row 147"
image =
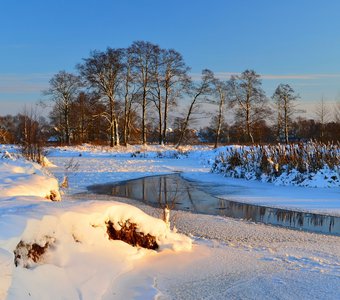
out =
column 223, row 258
column 22, row 178
column 194, row 163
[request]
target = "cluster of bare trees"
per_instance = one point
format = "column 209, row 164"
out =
column 28, row 130
column 128, row 89
column 130, row 92
column 145, row 93
column 133, row 90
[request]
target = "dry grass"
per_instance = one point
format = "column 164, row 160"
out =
column 273, row 160
column 129, row 234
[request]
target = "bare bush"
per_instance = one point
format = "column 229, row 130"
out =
column 254, row 162
column 32, row 137
column 26, row 254
column 129, row 234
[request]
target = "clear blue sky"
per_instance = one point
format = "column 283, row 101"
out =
column 295, row 42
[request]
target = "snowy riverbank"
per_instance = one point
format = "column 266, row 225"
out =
column 229, row 258
column 194, row 163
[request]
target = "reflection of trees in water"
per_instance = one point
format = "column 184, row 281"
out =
column 274, row 216
column 317, row 220
column 167, row 192
column 331, row 224
column 222, row 204
column 173, row 192
column 262, row 212
column 191, row 200
column 293, row 218
column 245, row 211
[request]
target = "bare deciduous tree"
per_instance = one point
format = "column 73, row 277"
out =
column 170, row 77
column 220, row 91
column 286, row 106
column 322, row 114
column 249, row 100
column 32, row 135
column 144, row 54
column 64, row 88
column 196, row 92
column 102, row 71
column 130, row 93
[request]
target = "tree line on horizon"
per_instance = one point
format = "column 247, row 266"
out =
column 145, row 94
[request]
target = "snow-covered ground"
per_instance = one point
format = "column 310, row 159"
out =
column 194, row 163
column 229, row 259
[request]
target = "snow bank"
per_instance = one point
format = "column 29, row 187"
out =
column 165, row 238
column 62, row 250
column 79, row 256
column 19, row 177
column 234, row 259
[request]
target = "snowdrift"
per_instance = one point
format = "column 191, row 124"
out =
column 73, row 251
column 20, row 177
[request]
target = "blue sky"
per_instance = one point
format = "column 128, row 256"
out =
column 295, row 42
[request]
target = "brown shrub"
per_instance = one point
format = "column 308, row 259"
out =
column 25, row 253
column 129, row 234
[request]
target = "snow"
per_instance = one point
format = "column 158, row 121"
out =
column 194, row 163
column 209, row 257
column 80, row 260
column 82, row 255
column 22, row 178
column 316, row 200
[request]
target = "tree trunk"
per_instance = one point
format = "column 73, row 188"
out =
column 82, row 121
column 166, row 105
column 160, row 123
column 127, row 118
column 145, row 83
column 127, row 106
column 144, row 119
column 248, row 128
column 278, row 133
column 67, row 125
column 186, row 122
column 125, row 125
column 116, row 131
column 286, row 121
column 219, row 121
column 112, row 127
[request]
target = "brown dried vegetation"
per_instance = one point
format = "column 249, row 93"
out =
column 129, row 234
column 25, row 253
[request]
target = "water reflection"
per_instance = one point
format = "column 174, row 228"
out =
column 177, row 193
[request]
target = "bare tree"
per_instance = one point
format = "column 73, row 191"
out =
column 220, row 91
column 83, row 114
column 64, row 88
column 249, row 100
column 285, row 99
column 156, row 91
column 102, row 71
column 196, row 91
column 169, row 81
column 322, row 114
column 130, row 92
column 32, row 135
column 144, row 54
